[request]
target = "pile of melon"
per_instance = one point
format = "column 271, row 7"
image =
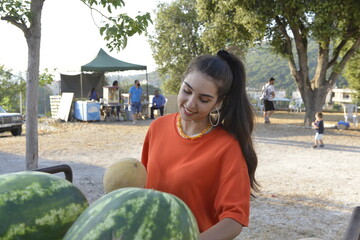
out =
column 35, row 205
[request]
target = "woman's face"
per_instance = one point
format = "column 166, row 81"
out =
column 197, row 97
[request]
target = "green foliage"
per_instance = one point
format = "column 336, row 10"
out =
column 352, row 73
column 117, row 29
column 10, row 88
column 287, row 26
column 227, row 24
column 244, row 22
column 12, row 85
column 109, row 4
column 16, row 10
column 46, row 78
column 176, row 41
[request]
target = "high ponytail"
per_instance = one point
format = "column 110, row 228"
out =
column 236, row 113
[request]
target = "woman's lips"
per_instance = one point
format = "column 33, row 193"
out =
column 187, row 112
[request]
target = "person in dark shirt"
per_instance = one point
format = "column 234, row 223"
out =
column 93, row 95
column 158, row 102
column 318, row 125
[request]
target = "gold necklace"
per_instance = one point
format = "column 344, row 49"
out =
column 196, row 136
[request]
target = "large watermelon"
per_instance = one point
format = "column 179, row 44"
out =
column 37, row 205
column 135, row 214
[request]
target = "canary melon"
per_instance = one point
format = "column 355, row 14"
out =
column 126, row 172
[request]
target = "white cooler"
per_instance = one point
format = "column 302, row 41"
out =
column 87, row 111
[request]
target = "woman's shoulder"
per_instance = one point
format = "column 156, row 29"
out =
column 219, row 134
column 163, row 120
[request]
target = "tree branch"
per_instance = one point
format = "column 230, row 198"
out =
column 336, row 72
column 21, row 25
column 336, row 52
column 288, row 45
column 301, row 49
column 91, row 8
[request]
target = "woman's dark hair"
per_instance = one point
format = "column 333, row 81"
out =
column 236, row 113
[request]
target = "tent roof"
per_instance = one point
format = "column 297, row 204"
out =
column 105, row 63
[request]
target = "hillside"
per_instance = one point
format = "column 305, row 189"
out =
column 261, row 64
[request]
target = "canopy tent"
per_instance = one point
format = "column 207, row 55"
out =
column 105, row 63
column 100, row 64
column 82, row 83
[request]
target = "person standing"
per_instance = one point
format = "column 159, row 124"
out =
column 92, row 95
column 204, row 154
column 158, row 102
column 318, row 125
column 116, row 109
column 268, row 95
column 135, row 94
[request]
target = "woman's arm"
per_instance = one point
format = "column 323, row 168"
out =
column 226, row 229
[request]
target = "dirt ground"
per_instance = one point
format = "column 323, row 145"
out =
column 304, row 193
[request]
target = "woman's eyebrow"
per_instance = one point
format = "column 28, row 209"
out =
column 188, row 85
column 202, row 94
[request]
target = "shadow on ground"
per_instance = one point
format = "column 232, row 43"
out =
column 307, row 145
column 88, row 178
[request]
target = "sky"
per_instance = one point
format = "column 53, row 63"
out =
column 70, row 38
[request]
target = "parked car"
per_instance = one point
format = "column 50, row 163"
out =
column 11, row 122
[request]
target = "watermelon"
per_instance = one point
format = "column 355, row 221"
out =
column 37, row 205
column 135, row 214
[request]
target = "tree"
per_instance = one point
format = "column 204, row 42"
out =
column 288, row 25
column 176, row 41
column 352, row 73
column 10, row 88
column 26, row 15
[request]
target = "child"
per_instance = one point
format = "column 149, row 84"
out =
column 319, row 127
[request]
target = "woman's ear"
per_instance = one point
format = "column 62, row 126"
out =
column 218, row 105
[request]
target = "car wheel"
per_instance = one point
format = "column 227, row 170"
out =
column 16, row 131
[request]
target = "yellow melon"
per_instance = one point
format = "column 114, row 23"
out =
column 126, row 172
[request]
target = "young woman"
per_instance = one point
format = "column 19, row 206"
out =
column 204, row 154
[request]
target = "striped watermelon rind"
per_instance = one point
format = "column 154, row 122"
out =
column 36, row 205
column 135, row 214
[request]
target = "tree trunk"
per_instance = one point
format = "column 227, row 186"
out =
column 312, row 92
column 33, row 37
column 314, row 101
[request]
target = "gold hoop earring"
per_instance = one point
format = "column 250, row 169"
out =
column 218, row 117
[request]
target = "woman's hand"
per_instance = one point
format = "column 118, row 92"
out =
column 226, row 229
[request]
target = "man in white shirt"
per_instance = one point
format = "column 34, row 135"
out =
column 269, row 95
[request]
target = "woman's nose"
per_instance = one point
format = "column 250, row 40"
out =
column 191, row 103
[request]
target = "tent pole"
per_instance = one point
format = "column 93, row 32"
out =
column 81, row 87
column 147, row 86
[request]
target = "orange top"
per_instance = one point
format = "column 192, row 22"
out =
column 209, row 173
